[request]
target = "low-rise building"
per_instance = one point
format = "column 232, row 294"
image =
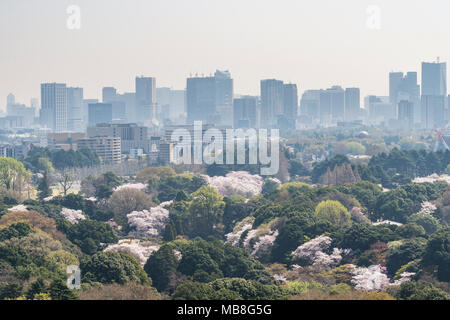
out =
column 107, row 148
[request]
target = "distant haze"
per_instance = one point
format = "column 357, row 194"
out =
column 315, row 44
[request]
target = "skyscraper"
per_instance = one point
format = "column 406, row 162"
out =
column 290, row 101
column 75, row 109
column 145, row 99
column 332, row 104
column 245, row 112
column 10, row 100
column 395, row 82
column 210, row 99
column 433, row 111
column 309, row 104
column 272, row 102
column 405, row 88
column 54, row 106
column 100, row 113
column 224, row 97
column 109, row 94
column 434, row 79
column 352, row 103
column 406, row 114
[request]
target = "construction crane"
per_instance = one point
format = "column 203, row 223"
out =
column 440, row 139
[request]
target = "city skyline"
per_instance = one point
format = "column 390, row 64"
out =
column 294, row 48
column 301, row 90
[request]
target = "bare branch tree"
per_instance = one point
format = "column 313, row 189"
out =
column 66, row 180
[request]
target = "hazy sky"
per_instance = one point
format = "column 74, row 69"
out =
column 313, row 43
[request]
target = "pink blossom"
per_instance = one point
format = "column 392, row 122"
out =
column 73, row 216
column 134, row 248
column 239, row 182
column 149, row 223
column 373, row 278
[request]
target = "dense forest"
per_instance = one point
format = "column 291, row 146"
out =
column 233, row 236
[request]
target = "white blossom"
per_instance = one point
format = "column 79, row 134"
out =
column 427, row 208
column 73, row 216
column 48, row 198
column 404, row 277
column 250, row 235
column 433, row 178
column 137, row 186
column 149, row 223
column 387, row 222
column 234, row 237
column 370, row 279
column 18, row 208
column 134, row 248
column 314, row 252
column 178, row 254
column 264, row 244
column 239, row 182
column 279, row 277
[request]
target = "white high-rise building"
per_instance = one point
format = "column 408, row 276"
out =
column 75, row 109
column 53, row 113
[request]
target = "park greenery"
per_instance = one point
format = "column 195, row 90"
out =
column 335, row 229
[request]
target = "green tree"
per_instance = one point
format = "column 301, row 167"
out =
column 205, row 212
column 58, row 290
column 112, row 267
column 334, row 212
column 193, row 291
column 161, row 267
column 409, row 250
column 437, row 253
column 412, row 290
column 44, row 190
column 17, row 230
column 91, row 235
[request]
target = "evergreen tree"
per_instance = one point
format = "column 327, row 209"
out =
column 44, row 190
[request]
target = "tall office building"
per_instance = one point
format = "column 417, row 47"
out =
column 290, row 101
column 178, row 106
column 245, row 112
column 54, row 106
column 200, row 99
column 163, row 102
column 332, row 104
column 109, row 94
column 10, row 100
column 434, row 79
column 210, row 99
column 310, row 103
column 75, row 109
column 395, row 82
column 145, row 99
column 224, row 97
column 272, row 102
column 352, row 103
column 100, row 113
column 406, row 114
column 433, row 111
column 405, row 87
column 434, row 92
column 85, row 111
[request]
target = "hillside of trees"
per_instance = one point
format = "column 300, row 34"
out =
column 230, row 236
